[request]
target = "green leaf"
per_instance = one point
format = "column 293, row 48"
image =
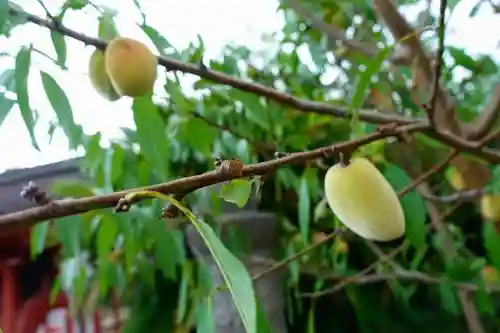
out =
column 23, row 63
column 62, row 107
column 55, row 290
column 415, row 215
column 488, row 66
column 184, row 291
column 19, row 18
column 234, row 273
column 475, row 8
column 115, row 159
column 304, row 207
column 205, row 316
column 74, row 188
column 105, row 10
column 363, row 81
column 76, row 4
column 5, row 107
column 60, row 47
column 145, row 270
column 8, row 82
column 167, row 254
column 483, row 299
column 256, row 112
column 38, row 235
column 69, row 231
column 449, row 299
column 160, row 42
column 263, row 325
column 237, row 191
column 413, row 205
column 130, row 243
column 492, row 243
column 204, row 143
column 4, row 14
column 106, row 28
column 179, row 101
column 460, row 269
column 151, row 135
column 106, row 234
column 462, row 59
column 7, row 78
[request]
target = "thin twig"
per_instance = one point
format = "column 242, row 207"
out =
column 423, row 177
column 461, row 196
column 400, row 276
column 296, row 256
column 339, row 286
column 470, row 311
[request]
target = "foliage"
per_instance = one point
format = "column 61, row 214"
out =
column 181, row 130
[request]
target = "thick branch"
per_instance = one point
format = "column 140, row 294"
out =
column 67, row 207
column 444, row 116
column 475, row 148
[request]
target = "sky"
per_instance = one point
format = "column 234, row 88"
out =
column 241, row 22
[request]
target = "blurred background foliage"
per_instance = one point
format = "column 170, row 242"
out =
column 182, row 129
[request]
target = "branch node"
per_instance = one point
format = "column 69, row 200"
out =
column 171, row 211
column 328, row 152
column 232, row 167
column 280, row 154
column 33, row 193
column 386, row 129
column 203, row 67
column 345, row 159
column 123, row 205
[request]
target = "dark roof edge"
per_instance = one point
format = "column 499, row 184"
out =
column 14, row 176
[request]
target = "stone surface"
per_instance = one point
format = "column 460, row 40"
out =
column 263, row 232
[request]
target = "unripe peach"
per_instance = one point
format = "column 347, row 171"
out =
column 364, row 201
column 131, row 66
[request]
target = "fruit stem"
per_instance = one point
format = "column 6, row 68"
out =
column 344, row 159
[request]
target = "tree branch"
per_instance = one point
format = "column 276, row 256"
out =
column 330, row 31
column 333, row 33
column 404, row 275
column 300, row 104
column 444, row 117
column 280, row 264
column 67, row 207
column 307, row 106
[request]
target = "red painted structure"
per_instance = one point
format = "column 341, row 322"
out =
column 18, row 315
column 29, row 316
